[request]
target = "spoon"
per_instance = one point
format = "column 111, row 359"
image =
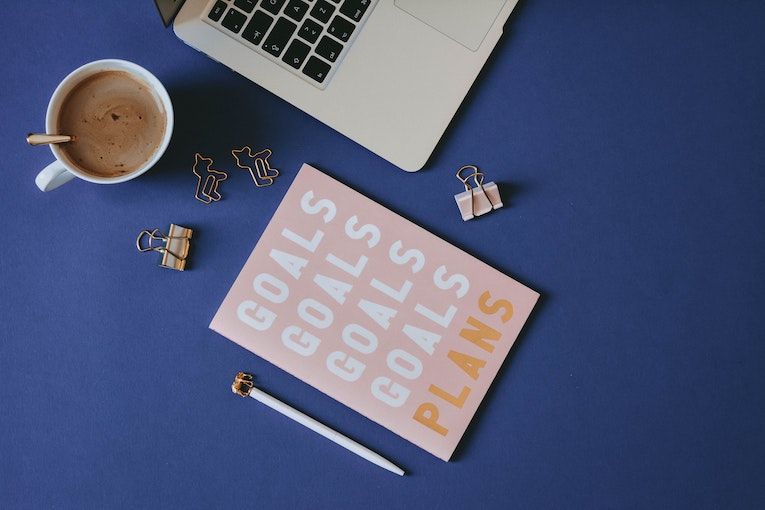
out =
column 44, row 139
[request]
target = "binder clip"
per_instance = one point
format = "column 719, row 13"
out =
column 174, row 246
column 478, row 199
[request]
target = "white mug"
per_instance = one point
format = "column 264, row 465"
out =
column 61, row 171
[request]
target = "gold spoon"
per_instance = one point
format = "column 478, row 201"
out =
column 45, row 139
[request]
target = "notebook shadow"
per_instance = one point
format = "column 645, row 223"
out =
column 477, row 421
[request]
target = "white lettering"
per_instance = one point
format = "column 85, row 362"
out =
column 393, row 394
column 303, row 242
column 335, row 288
column 412, row 254
column 399, row 295
column 261, row 320
column 360, row 338
column 368, row 228
column 344, row 366
column 326, row 204
column 442, row 320
column 293, row 264
column 344, row 266
column 277, row 291
column 378, row 313
column 455, row 279
column 411, row 367
column 427, row 340
column 314, row 313
column 305, row 345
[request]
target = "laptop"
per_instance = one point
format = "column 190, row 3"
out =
column 388, row 74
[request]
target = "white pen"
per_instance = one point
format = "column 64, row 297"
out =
column 244, row 387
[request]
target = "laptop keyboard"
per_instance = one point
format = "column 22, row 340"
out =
column 307, row 37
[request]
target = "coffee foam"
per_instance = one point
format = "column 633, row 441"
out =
column 117, row 121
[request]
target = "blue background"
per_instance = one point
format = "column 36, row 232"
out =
column 629, row 139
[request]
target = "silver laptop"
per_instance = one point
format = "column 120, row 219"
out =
column 388, row 74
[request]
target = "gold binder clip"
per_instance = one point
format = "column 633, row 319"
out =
column 174, row 246
column 478, row 199
column 242, row 384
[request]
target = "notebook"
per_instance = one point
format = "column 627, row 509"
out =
column 375, row 311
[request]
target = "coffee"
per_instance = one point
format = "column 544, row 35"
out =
column 117, row 121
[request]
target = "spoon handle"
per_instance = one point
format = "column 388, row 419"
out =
column 44, row 139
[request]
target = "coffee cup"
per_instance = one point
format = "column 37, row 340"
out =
column 129, row 138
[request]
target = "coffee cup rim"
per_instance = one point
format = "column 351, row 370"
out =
column 77, row 76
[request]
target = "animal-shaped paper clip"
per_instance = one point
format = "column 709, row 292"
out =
column 208, row 179
column 262, row 174
column 174, row 246
column 479, row 198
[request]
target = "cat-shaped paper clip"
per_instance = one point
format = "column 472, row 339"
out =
column 262, row 174
column 208, row 180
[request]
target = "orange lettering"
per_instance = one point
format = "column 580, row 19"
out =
column 457, row 402
column 427, row 414
column 478, row 335
column 491, row 309
column 468, row 364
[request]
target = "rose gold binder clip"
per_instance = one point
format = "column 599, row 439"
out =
column 262, row 175
column 174, row 246
column 478, row 199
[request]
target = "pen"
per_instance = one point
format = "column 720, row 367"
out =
column 244, row 387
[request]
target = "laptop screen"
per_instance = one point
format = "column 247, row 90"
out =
column 168, row 9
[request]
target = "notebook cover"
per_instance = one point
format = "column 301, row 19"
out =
column 375, row 311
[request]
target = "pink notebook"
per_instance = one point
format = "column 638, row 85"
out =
column 375, row 311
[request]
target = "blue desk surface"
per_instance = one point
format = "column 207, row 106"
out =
column 630, row 139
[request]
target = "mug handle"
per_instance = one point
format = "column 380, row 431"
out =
column 53, row 176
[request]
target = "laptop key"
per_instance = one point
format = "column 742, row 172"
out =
column 296, row 9
column 316, row 69
column 233, row 20
column 329, row 48
column 272, row 6
column 217, row 10
column 322, row 11
column 355, row 9
column 341, row 28
column 280, row 34
column 310, row 30
column 296, row 53
column 257, row 27
column 245, row 5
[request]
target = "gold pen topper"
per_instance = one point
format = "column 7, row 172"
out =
column 242, row 384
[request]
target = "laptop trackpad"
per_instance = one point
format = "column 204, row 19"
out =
column 465, row 21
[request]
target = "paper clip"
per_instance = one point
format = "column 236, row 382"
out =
column 174, row 246
column 208, row 180
column 262, row 175
column 478, row 199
